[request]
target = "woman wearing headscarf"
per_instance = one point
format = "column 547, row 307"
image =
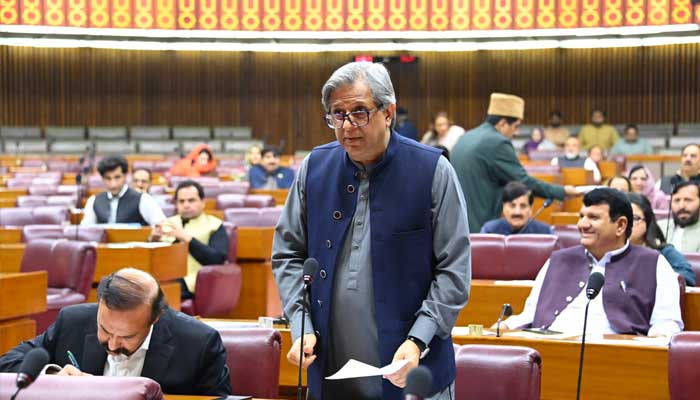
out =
column 643, row 183
column 200, row 161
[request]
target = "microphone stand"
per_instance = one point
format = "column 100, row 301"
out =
column 583, row 346
column 305, row 302
column 546, row 204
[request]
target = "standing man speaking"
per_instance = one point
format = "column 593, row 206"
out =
column 386, row 220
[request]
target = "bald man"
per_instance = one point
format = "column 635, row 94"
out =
column 131, row 331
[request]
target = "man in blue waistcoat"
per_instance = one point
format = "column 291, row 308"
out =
column 640, row 295
column 386, row 220
column 517, row 210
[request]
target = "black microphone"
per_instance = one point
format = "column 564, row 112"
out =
column 310, row 268
column 418, row 384
column 546, row 204
column 30, row 368
column 595, row 284
column 506, row 311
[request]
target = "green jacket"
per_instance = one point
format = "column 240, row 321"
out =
column 485, row 162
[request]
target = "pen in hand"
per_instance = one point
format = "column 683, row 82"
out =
column 72, row 359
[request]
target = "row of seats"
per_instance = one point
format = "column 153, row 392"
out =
column 125, row 133
column 126, row 147
column 645, row 130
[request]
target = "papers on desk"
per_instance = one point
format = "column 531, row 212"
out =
column 464, row 331
column 692, row 289
column 131, row 245
column 357, row 369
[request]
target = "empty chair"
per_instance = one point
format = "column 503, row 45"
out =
column 31, row 162
column 31, row 201
column 233, row 132
column 234, row 187
column 86, row 388
column 72, row 232
column 64, row 166
column 683, row 353
column 191, row 132
column 18, row 183
column 150, row 133
column 498, row 373
column 488, row 250
column 46, row 181
column 56, row 215
column 115, row 147
column 70, row 146
column 159, row 147
column 107, row 133
column 680, row 142
column 654, row 130
column 230, row 200
column 61, row 200
column 510, row 257
column 253, row 217
column 253, row 358
column 689, row 130
column 568, row 235
column 259, row 200
column 66, row 189
column 71, row 269
column 65, row 132
column 25, row 146
column 20, row 132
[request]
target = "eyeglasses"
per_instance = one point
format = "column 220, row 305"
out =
column 637, row 218
column 357, row 118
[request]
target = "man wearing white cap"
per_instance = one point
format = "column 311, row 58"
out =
column 485, row 162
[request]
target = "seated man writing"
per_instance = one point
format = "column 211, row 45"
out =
column 204, row 234
column 517, row 210
column 640, row 295
column 131, row 331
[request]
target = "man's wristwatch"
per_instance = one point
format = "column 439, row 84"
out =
column 422, row 347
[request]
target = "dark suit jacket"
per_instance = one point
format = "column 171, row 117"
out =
column 185, row 356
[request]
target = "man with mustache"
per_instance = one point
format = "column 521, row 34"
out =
column 598, row 132
column 517, row 209
column 131, row 331
column 689, row 170
column 684, row 229
column 640, row 295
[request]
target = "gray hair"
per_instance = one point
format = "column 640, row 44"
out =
column 375, row 76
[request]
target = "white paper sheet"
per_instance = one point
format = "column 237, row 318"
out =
column 357, row 369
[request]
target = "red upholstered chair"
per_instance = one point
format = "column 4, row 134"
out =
column 31, row 201
column 259, row 200
column 253, row 217
column 488, row 254
column 497, row 372
column 85, row 388
column 145, row 164
column 253, row 357
column 694, row 260
column 50, row 215
column 71, row 269
column 234, row 187
column 74, row 232
column 218, row 286
column 19, row 182
column 66, row 189
column 29, row 216
column 43, row 190
column 526, row 254
column 683, row 374
column 230, row 200
column 569, row 235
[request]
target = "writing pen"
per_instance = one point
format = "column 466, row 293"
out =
column 72, row 359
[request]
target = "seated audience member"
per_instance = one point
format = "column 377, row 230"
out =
column 684, row 229
column 631, row 143
column 120, row 204
column 141, row 180
column 572, row 158
column 555, row 133
column 517, row 210
column 689, row 170
column 131, row 331
column 537, row 142
column 643, row 183
column 598, row 132
column 253, row 156
column 596, row 154
column 558, row 297
column 204, row 234
column 404, row 126
column 269, row 174
column 442, row 131
column 646, row 232
column 200, row 161
column 621, row 183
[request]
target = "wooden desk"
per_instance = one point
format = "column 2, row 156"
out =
column 7, row 193
column 280, row 195
column 14, row 235
column 575, row 177
column 21, row 295
column 166, row 264
column 611, row 371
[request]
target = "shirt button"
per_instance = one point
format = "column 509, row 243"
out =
column 581, row 284
column 359, row 223
column 350, row 189
column 320, row 303
column 569, row 298
column 363, row 197
column 337, row 215
column 328, row 244
column 355, row 247
column 556, row 312
column 323, row 274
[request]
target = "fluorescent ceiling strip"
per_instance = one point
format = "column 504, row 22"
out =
column 363, row 35
column 443, row 46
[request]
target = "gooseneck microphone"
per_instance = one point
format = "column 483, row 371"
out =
column 310, row 268
column 506, row 311
column 418, row 384
column 546, row 204
column 30, row 368
column 595, row 284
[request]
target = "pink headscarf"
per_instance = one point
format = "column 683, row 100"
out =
column 658, row 199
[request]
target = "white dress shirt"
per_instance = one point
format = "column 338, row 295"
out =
column 677, row 240
column 148, row 208
column 665, row 317
column 121, row 365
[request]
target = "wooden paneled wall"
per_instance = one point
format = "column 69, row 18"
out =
column 278, row 93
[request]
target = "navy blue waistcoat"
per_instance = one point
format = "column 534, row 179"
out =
column 127, row 209
column 402, row 247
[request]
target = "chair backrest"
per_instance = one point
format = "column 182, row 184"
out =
column 683, row 355
column 569, row 235
column 232, row 232
column 694, row 261
column 86, row 388
column 20, row 132
column 75, row 232
column 259, row 200
column 191, row 132
column 234, row 187
column 510, row 257
column 38, row 215
column 31, row 201
column 230, row 200
column 253, row 358
column 107, row 132
column 70, row 264
column 65, row 132
column 498, row 372
column 253, row 217
column 150, row 133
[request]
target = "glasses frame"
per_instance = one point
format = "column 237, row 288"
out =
column 332, row 121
